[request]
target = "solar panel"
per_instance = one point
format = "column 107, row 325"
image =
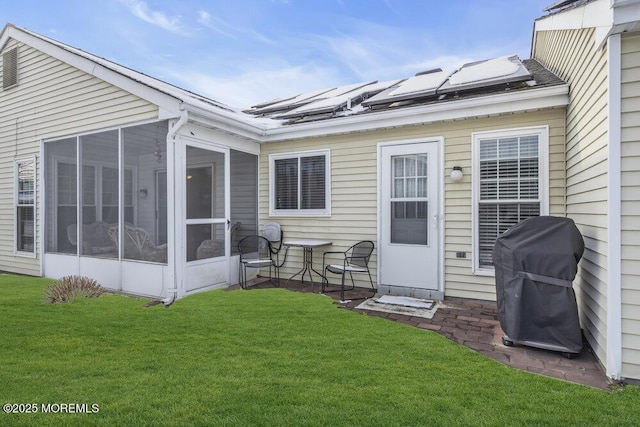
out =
column 505, row 69
column 559, row 4
column 288, row 103
column 339, row 102
column 273, row 101
column 341, row 90
column 418, row 86
column 493, row 75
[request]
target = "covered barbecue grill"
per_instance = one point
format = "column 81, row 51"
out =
column 535, row 264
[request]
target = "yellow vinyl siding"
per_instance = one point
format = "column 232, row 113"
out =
column 354, row 191
column 630, row 178
column 51, row 99
column 574, row 57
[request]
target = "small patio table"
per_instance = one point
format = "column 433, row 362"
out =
column 307, row 246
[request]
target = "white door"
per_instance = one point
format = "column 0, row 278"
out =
column 409, row 245
column 206, row 202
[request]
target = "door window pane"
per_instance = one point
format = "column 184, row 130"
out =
column 205, row 204
column 205, row 241
column 409, row 176
column 409, row 223
column 200, row 192
column 409, row 200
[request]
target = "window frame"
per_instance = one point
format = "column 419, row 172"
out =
column 542, row 132
column 17, row 204
column 300, row 212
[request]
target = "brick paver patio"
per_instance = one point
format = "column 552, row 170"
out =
column 475, row 324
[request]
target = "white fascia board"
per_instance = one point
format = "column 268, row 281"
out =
column 606, row 16
column 619, row 3
column 594, row 14
column 169, row 105
column 597, row 14
column 555, row 96
column 626, row 13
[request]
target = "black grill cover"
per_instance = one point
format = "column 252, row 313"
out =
column 535, row 264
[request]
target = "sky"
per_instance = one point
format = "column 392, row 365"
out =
column 243, row 52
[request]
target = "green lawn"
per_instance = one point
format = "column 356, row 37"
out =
column 263, row 357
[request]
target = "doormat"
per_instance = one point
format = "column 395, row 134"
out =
column 401, row 305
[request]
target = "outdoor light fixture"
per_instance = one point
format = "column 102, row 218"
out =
column 143, row 193
column 456, row 174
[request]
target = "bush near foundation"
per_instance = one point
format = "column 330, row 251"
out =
column 71, row 287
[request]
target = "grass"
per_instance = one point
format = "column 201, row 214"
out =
column 263, row 357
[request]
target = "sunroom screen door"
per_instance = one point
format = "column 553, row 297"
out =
column 206, row 193
column 409, row 238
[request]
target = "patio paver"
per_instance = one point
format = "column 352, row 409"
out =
column 475, row 324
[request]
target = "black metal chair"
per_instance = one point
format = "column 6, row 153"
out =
column 354, row 260
column 255, row 252
column 273, row 233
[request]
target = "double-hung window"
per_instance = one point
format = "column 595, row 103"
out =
column 300, row 184
column 510, row 185
column 25, row 206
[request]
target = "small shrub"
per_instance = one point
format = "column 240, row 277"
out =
column 71, row 287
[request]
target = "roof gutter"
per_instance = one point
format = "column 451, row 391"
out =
column 512, row 102
column 228, row 121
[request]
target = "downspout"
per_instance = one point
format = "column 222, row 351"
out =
column 172, row 293
column 614, row 226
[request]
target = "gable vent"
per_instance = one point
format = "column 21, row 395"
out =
column 10, row 68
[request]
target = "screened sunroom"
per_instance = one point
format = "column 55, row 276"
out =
column 146, row 214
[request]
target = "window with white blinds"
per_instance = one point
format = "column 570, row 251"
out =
column 25, row 174
column 508, row 185
column 300, row 183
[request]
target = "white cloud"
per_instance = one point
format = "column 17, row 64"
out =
column 231, row 31
column 307, row 62
column 205, row 19
column 256, row 84
column 378, row 52
column 140, row 9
